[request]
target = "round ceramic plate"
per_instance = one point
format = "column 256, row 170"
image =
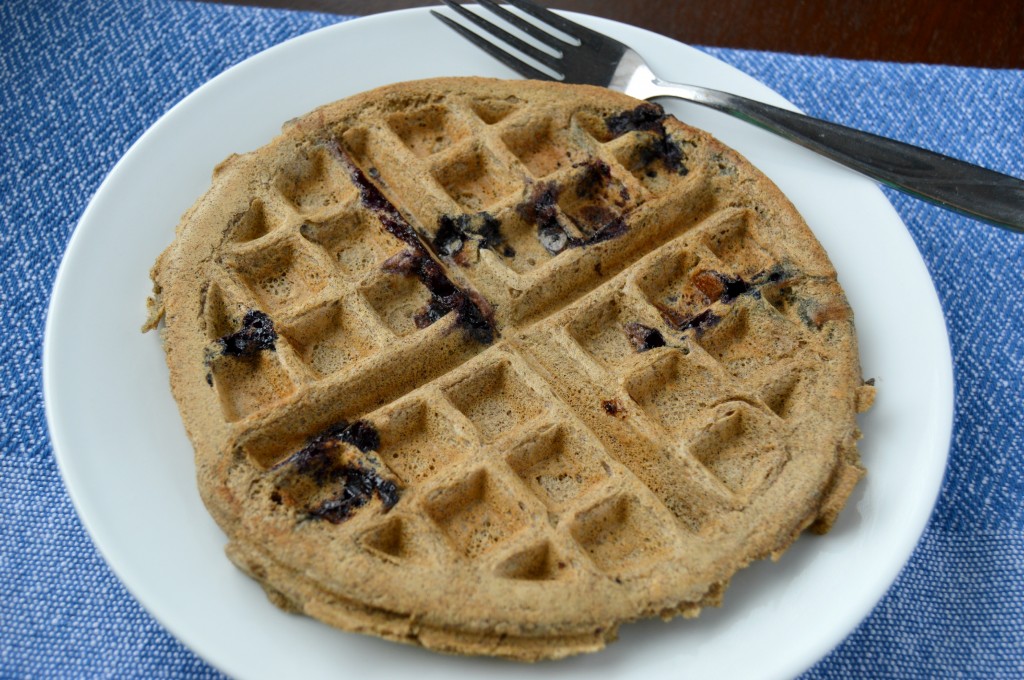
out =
column 128, row 464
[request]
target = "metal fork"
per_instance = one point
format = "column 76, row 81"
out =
column 600, row 60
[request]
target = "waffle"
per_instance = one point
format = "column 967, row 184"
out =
column 496, row 367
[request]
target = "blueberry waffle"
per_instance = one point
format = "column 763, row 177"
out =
column 495, row 367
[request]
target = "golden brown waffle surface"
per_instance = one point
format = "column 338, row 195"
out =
column 494, row 367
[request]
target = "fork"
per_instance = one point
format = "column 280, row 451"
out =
column 595, row 59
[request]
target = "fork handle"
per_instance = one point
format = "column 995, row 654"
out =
column 948, row 182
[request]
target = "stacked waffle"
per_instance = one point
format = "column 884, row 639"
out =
column 494, row 367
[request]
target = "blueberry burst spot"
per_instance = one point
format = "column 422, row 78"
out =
column 317, row 458
column 733, row 287
column 361, row 435
column 646, row 117
column 681, row 322
column 611, row 406
column 700, row 322
column 649, row 118
column 717, row 286
column 450, row 237
column 473, row 313
column 541, row 209
column 257, row 333
column 644, row 338
column 453, row 232
column 721, row 289
column 356, row 484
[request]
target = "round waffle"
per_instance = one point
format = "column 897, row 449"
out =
column 494, row 367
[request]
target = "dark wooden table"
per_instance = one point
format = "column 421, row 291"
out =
column 962, row 32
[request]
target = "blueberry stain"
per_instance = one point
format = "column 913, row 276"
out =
column 648, row 117
column 541, row 209
column 319, row 462
column 644, row 338
column 595, row 176
column 358, row 487
column 724, row 288
column 700, row 322
column 361, row 435
column 472, row 312
column 450, row 238
column 257, row 333
column 611, row 406
column 454, row 232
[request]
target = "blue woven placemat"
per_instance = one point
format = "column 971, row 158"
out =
column 81, row 81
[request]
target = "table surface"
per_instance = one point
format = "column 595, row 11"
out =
column 977, row 33
column 82, row 82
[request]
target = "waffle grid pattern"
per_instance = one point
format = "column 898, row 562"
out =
column 513, row 473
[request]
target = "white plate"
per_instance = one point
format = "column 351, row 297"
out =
column 128, row 465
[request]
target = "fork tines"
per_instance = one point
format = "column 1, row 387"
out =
column 538, row 12
column 546, row 38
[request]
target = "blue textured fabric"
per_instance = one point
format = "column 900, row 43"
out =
column 81, row 81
